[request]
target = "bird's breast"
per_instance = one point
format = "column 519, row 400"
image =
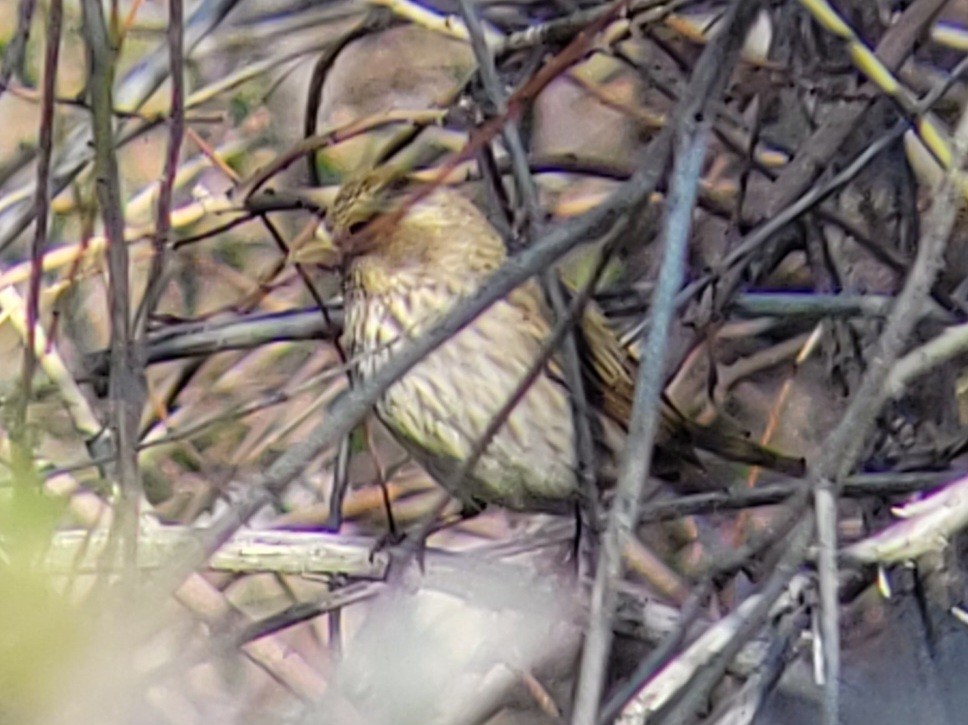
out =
column 444, row 404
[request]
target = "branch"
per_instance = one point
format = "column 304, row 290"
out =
column 126, row 388
column 693, row 121
column 282, row 552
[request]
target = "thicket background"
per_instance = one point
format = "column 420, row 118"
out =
column 170, row 449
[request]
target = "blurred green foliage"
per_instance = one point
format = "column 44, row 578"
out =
column 39, row 628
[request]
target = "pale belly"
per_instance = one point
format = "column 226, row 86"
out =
column 442, row 406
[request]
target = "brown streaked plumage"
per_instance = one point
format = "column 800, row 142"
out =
column 408, row 261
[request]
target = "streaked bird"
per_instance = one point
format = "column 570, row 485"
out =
column 408, row 259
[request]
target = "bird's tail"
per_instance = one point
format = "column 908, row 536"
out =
column 742, row 450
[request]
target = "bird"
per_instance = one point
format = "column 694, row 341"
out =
column 407, row 259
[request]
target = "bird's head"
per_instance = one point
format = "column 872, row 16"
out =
column 360, row 201
column 386, row 233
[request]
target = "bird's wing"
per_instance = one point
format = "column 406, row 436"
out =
column 528, row 301
column 609, row 369
column 610, row 373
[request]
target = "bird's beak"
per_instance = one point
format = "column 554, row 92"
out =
column 319, row 249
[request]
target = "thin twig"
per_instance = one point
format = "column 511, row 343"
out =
column 951, row 343
column 844, row 444
column 563, row 325
column 811, row 198
column 133, row 90
column 285, row 552
column 692, row 128
column 42, row 203
column 689, row 702
column 244, row 332
column 176, row 134
column 15, row 52
column 125, row 389
column 816, row 152
column 377, row 19
column 857, row 486
column 528, row 195
column 728, row 565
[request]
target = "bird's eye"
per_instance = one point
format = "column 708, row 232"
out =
column 356, row 227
